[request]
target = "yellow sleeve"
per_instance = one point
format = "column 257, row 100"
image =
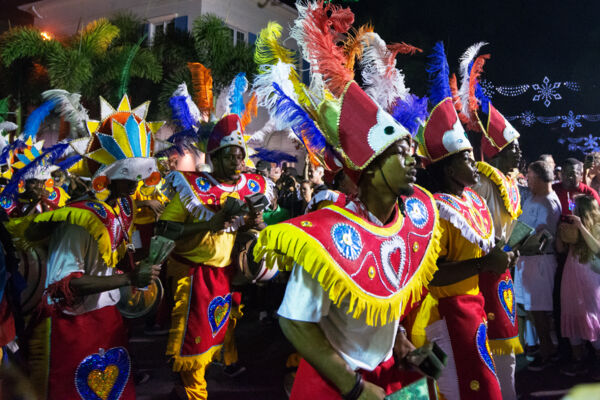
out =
column 175, row 211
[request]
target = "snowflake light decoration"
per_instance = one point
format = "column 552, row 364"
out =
column 512, row 91
column 586, row 144
column 546, row 91
column 571, row 121
column 527, row 118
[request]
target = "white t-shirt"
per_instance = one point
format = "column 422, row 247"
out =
column 72, row 249
column 542, row 212
column 360, row 345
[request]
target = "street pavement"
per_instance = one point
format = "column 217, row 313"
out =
column 263, row 350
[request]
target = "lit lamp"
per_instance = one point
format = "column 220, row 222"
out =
column 46, row 35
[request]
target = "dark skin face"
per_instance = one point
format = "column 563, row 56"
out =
column 572, row 176
column 510, row 157
column 34, row 190
column 121, row 188
column 228, row 164
column 460, row 172
column 398, row 166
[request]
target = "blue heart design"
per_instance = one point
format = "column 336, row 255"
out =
column 118, row 357
column 214, row 306
column 483, row 349
column 510, row 309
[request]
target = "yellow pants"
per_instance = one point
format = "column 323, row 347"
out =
column 194, row 383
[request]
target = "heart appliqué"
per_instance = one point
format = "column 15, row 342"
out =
column 102, row 382
column 103, row 376
column 483, row 347
column 219, row 309
column 507, row 298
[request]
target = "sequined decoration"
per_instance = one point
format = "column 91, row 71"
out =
column 52, row 196
column 103, row 376
column 347, row 241
column 97, row 208
column 6, row 202
column 125, row 207
column 417, row 212
column 507, row 298
column 202, row 184
column 218, row 312
column 253, row 186
column 483, row 348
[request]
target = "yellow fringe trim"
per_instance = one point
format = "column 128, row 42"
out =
column 92, row 224
column 289, row 245
column 17, row 227
column 493, row 173
column 506, row 346
column 39, row 357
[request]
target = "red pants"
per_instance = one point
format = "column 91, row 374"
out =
column 310, row 385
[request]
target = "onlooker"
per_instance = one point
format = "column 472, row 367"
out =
column 548, row 159
column 572, row 185
column 591, row 170
column 580, row 298
column 315, row 177
column 535, row 269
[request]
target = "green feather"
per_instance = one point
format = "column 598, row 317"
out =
column 125, row 74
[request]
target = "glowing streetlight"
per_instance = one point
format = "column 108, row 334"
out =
column 46, row 35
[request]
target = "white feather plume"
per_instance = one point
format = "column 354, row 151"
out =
column 382, row 80
column 182, row 90
column 70, row 108
column 465, row 60
column 263, row 87
column 7, row 126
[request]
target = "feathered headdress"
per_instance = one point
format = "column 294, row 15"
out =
column 122, row 142
column 443, row 134
column 35, row 119
column 70, row 108
column 203, row 87
column 184, row 110
column 470, row 68
column 274, row 156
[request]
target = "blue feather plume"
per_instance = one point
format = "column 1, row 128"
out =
column 181, row 112
column 48, row 157
column 484, row 101
column 236, row 94
column 37, row 116
column 301, row 123
column 69, row 162
column 274, row 156
column 411, row 112
column 439, row 72
column 18, row 144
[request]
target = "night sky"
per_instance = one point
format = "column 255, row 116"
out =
column 528, row 40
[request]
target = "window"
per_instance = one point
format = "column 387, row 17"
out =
column 165, row 23
column 237, row 35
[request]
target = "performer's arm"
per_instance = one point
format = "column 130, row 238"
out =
column 497, row 260
column 88, row 284
column 309, row 340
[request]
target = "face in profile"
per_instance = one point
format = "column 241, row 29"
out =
column 463, row 169
column 399, row 167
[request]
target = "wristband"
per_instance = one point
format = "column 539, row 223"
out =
column 356, row 390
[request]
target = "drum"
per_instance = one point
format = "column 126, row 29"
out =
column 255, row 272
column 32, row 266
column 136, row 302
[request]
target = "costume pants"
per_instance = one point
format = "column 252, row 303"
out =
column 194, row 383
column 505, row 370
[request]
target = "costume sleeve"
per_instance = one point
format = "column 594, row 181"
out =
column 444, row 239
column 304, row 300
column 67, row 251
column 175, row 211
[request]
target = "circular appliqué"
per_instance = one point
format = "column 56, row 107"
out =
column 98, row 209
column 347, row 241
column 476, row 199
column 417, row 212
column 253, row 186
column 52, row 196
column 202, row 184
column 306, row 224
column 392, row 271
column 6, row 202
column 514, row 194
column 125, row 207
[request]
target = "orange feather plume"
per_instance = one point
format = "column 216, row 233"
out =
column 250, row 112
column 353, row 47
column 476, row 71
column 202, row 83
column 456, row 99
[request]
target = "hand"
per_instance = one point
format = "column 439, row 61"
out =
column 402, row 347
column 144, row 274
column 497, row 260
column 220, row 221
column 255, row 221
column 156, row 206
column 575, row 220
column 371, row 392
